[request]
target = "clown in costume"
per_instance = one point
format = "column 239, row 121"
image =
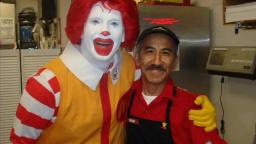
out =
column 73, row 99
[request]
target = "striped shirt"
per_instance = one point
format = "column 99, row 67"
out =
column 37, row 108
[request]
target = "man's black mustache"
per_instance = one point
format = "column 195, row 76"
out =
column 156, row 67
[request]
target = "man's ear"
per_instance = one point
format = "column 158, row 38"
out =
column 175, row 64
column 136, row 59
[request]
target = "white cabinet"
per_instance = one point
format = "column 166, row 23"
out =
column 10, row 89
column 15, row 67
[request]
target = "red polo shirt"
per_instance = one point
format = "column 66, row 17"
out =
column 183, row 130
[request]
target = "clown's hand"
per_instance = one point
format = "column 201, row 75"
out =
column 205, row 117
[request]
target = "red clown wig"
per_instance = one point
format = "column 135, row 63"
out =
column 80, row 10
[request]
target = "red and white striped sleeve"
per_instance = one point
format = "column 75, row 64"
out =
column 37, row 109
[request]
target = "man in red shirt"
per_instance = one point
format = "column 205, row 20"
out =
column 158, row 110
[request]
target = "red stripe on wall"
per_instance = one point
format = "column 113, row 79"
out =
column 184, row 3
column 106, row 108
column 40, row 93
column 31, row 119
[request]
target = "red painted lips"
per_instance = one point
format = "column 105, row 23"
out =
column 103, row 46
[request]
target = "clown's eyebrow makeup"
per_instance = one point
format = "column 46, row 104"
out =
column 100, row 6
column 104, row 6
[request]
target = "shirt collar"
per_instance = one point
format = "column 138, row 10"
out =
column 166, row 93
column 86, row 72
column 169, row 89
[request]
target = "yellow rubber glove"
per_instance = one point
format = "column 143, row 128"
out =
column 205, row 117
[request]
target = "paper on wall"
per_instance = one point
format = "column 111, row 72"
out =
column 7, row 31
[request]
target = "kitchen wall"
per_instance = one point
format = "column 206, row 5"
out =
column 239, row 95
column 21, row 4
column 63, row 6
column 62, row 9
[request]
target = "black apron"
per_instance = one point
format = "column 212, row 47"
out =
column 142, row 131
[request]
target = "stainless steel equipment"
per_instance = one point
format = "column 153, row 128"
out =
column 192, row 26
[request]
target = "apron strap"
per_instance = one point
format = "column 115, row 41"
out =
column 168, row 111
column 131, row 102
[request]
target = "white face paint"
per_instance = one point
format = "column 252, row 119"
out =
column 103, row 34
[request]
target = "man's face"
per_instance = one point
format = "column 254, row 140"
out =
column 156, row 58
column 103, row 32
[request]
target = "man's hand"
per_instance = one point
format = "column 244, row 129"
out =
column 205, row 117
